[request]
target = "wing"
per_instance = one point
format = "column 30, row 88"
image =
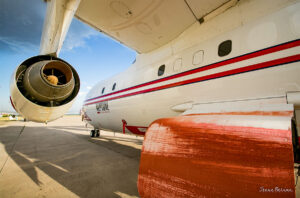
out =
column 141, row 25
column 144, row 25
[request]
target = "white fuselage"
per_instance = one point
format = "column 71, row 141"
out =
column 263, row 65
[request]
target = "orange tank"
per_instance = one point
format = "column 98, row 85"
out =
column 187, row 157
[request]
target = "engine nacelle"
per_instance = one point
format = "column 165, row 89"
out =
column 43, row 88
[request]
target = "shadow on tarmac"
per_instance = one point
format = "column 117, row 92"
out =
column 100, row 169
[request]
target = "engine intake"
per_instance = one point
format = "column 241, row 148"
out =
column 43, row 88
column 49, row 81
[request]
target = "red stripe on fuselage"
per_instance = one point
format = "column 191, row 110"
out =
column 262, row 52
column 254, row 67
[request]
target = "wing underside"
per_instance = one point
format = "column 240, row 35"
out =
column 145, row 25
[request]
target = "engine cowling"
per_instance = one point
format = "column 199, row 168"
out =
column 43, row 88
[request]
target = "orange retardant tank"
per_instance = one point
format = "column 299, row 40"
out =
column 217, row 156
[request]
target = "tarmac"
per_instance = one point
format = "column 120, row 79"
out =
column 60, row 159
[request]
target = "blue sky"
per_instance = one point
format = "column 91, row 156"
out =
column 95, row 56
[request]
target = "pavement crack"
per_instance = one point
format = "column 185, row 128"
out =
column 13, row 148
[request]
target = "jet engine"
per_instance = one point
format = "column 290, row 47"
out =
column 43, row 88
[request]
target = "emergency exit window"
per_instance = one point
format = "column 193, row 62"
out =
column 198, row 57
column 177, row 64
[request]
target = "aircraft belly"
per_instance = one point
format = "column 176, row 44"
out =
column 135, row 110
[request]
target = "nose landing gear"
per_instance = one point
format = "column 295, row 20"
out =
column 95, row 133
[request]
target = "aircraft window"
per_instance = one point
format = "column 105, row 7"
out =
column 161, row 70
column 225, row 48
column 114, row 86
column 198, row 57
column 177, row 64
column 103, row 90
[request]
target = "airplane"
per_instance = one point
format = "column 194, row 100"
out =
column 214, row 90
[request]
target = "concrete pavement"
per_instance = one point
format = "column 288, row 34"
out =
column 61, row 160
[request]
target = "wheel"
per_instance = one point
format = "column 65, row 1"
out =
column 92, row 133
column 97, row 132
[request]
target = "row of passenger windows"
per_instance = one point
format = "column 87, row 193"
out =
column 224, row 49
column 113, row 88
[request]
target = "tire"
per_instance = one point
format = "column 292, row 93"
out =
column 97, row 133
column 92, row 133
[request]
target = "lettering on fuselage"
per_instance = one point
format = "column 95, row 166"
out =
column 102, row 107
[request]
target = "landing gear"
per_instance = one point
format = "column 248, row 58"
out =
column 95, row 133
column 92, row 133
